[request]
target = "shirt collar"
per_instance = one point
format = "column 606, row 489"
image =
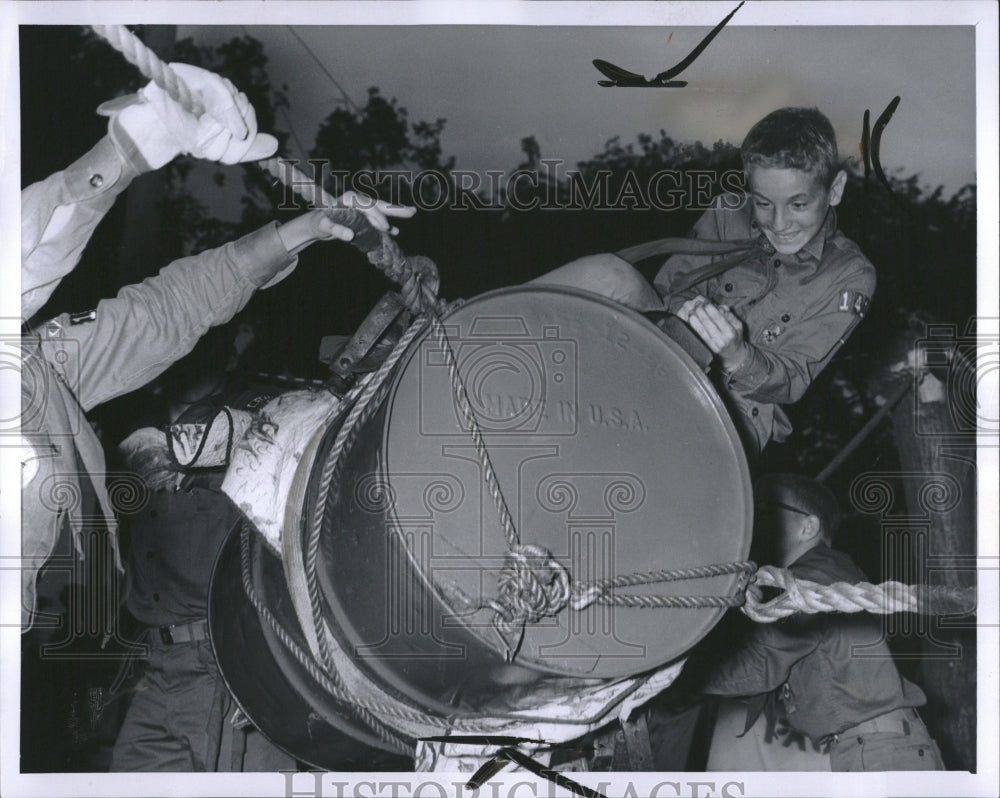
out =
column 814, row 247
column 812, row 250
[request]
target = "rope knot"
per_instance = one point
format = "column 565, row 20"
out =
column 531, row 585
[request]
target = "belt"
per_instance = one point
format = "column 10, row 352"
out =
column 190, row 632
column 898, row 721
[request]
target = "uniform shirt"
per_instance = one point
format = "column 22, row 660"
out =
column 797, row 309
column 77, row 361
column 174, row 542
column 834, row 670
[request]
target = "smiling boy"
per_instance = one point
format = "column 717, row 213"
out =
column 777, row 316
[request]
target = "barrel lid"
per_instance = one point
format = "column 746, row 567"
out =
column 613, row 452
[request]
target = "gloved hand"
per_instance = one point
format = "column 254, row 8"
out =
column 160, row 129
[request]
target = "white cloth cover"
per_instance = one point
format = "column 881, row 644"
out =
column 263, row 462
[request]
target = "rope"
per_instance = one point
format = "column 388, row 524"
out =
column 417, row 276
column 531, row 585
column 371, row 386
column 465, row 408
column 332, row 686
column 601, row 590
column 808, row 597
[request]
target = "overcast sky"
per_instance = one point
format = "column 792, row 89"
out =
column 496, row 84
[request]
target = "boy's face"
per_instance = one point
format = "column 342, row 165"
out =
column 769, row 534
column 777, row 524
column 790, row 205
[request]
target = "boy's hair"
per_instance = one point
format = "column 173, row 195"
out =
column 804, row 494
column 793, row 138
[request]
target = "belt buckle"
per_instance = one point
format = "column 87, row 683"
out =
column 166, row 635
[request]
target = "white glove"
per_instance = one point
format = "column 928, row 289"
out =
column 160, row 129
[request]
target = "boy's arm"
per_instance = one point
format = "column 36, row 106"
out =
column 765, row 658
column 781, row 372
column 134, row 337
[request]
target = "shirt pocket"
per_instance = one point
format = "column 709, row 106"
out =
column 739, row 293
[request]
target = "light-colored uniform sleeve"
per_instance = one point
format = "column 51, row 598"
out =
column 781, row 373
column 134, row 337
column 59, row 215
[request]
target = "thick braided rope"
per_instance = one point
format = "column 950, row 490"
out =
column 419, row 292
column 808, row 597
column 149, row 64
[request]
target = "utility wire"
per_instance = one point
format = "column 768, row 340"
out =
column 298, row 143
column 322, row 66
column 284, row 113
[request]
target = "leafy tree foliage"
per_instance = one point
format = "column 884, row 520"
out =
column 243, row 61
column 380, row 136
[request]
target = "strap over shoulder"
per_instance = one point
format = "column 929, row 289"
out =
column 738, row 250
